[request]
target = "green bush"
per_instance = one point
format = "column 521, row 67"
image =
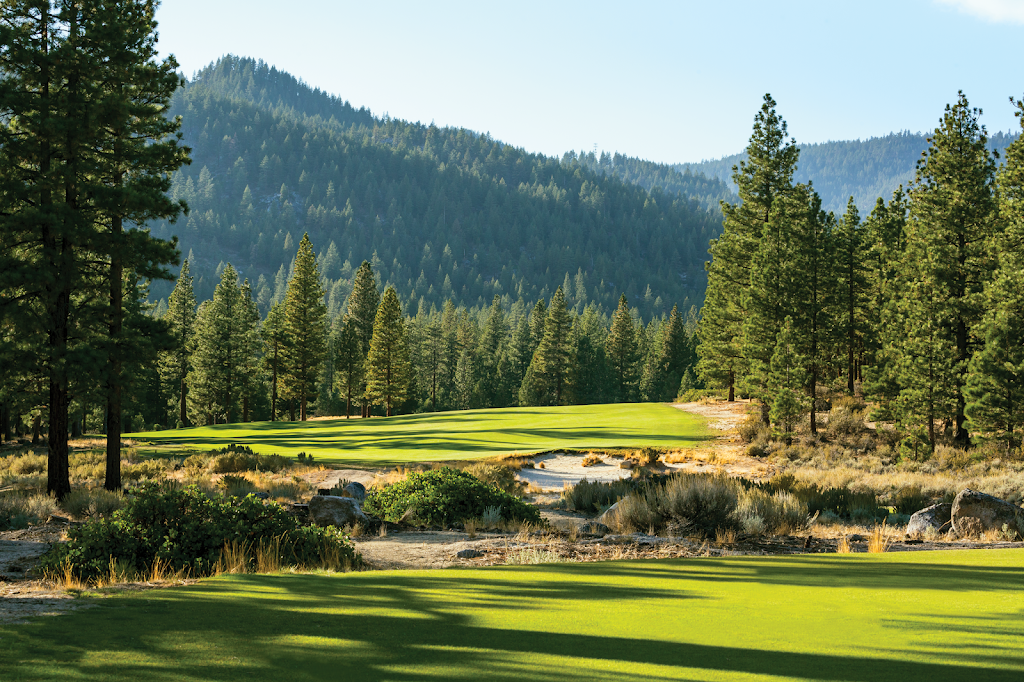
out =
column 592, row 497
column 443, row 497
column 185, row 530
column 233, row 461
column 702, row 502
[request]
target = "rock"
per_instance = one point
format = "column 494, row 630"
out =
column 356, row 490
column 936, row 517
column 609, row 516
column 331, row 510
column 627, row 464
column 975, row 512
column 595, row 528
column 469, row 554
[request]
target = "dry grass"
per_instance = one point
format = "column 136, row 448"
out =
column 471, row 526
column 879, row 540
column 843, row 547
column 725, row 536
column 592, row 460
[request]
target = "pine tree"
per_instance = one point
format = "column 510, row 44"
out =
column 852, row 294
column 552, row 355
column 765, row 177
column 491, row 351
column 176, row 364
column 949, row 238
column 306, row 321
column 361, row 309
column 348, row 362
column 274, row 334
column 995, row 383
column 676, row 355
column 622, row 355
column 250, row 342
column 216, row 381
column 387, row 365
column 787, row 381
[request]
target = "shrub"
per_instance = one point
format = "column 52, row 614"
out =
column 235, row 486
column 770, row 512
column 645, row 457
column 590, row 498
column 640, row 512
column 704, row 503
column 592, row 460
column 82, row 502
column 28, row 464
column 501, row 476
column 18, row 510
column 443, row 497
column 752, row 428
column 844, row 420
column 234, row 461
column 184, row 530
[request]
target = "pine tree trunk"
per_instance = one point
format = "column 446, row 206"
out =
column 273, row 390
column 36, row 428
column 302, row 406
column 114, row 365
column 814, row 399
column 182, row 415
column 732, row 387
column 5, row 421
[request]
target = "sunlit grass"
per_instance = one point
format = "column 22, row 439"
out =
column 452, row 435
column 867, row 617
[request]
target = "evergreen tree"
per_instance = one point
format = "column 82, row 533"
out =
column 552, row 355
column 177, row 363
column 622, row 355
column 676, row 355
column 250, row 342
column 306, row 321
column 348, row 362
column 216, row 381
column 852, row 277
column 491, row 351
column 387, row 366
column 274, row 334
column 361, row 309
column 787, row 380
column 949, row 238
column 995, row 383
column 765, row 177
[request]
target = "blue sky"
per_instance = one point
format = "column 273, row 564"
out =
column 666, row 81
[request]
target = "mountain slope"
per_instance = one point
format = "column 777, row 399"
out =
column 442, row 212
column 863, row 169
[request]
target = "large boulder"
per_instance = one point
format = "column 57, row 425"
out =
column 935, row 517
column 610, row 516
column 331, row 510
column 355, row 490
column 975, row 512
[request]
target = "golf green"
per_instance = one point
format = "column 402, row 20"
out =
column 906, row 616
column 452, row 435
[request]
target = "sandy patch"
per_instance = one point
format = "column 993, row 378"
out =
column 328, row 478
column 721, row 415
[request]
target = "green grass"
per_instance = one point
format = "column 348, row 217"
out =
column 902, row 617
column 453, row 435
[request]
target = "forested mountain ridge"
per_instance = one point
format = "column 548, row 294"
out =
column 441, row 212
column 864, row 169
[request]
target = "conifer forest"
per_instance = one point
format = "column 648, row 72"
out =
column 239, row 246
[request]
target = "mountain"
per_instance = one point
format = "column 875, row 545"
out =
column 863, row 169
column 441, row 212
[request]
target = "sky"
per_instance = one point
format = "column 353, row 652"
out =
column 671, row 82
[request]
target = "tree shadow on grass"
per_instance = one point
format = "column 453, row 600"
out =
column 406, row 626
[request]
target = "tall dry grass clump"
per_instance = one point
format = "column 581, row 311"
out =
column 879, row 540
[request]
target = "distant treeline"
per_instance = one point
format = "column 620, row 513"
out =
column 441, row 213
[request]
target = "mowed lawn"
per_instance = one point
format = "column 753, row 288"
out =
column 453, row 435
column 928, row 616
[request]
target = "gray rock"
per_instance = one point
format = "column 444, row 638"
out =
column 595, row 528
column 609, row 516
column 356, row 490
column 975, row 512
column 627, row 464
column 936, row 517
column 469, row 554
column 331, row 510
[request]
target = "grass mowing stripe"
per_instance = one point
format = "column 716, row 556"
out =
column 453, row 435
column 861, row 618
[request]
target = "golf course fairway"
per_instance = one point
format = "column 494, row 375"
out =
column 465, row 434
column 930, row 616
